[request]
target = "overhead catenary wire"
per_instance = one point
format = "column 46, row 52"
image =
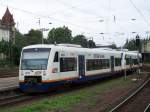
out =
column 48, row 17
column 76, row 6
column 140, row 13
column 71, row 7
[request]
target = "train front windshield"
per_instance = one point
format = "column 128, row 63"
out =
column 35, row 59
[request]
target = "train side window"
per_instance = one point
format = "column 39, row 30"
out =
column 68, row 64
column 97, row 64
column 117, row 61
column 56, row 57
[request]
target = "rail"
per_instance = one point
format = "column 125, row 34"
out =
column 128, row 98
column 146, row 109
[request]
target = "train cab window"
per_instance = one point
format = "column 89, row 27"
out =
column 56, row 57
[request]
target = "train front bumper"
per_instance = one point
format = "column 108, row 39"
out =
column 39, row 87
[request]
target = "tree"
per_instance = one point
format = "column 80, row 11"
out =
column 20, row 42
column 20, row 39
column 113, row 46
column 4, row 47
column 91, row 44
column 33, row 37
column 60, row 35
column 131, row 45
column 81, row 40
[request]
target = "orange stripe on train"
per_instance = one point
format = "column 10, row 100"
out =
column 48, row 81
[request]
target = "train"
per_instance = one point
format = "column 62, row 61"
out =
column 44, row 66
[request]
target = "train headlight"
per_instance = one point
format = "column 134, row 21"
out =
column 44, row 72
column 38, row 73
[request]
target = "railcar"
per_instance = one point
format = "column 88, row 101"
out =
column 43, row 67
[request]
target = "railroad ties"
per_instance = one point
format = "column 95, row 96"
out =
column 137, row 101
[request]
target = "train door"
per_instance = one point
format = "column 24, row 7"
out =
column 112, row 63
column 130, row 60
column 81, row 65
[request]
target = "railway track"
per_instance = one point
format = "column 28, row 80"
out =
column 11, row 100
column 15, row 96
column 18, row 97
column 8, row 74
column 147, row 109
column 138, row 101
column 8, row 94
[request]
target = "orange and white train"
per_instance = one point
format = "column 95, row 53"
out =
column 43, row 67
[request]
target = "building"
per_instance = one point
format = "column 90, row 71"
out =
column 4, row 32
column 146, row 52
column 7, row 31
column 7, row 27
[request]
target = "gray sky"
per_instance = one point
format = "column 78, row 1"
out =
column 83, row 17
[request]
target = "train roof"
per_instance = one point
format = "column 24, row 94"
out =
column 38, row 46
column 70, row 48
column 81, row 49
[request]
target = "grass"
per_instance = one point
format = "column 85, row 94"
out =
column 67, row 100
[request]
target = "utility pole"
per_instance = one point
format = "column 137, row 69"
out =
column 42, row 30
column 39, row 22
column 138, row 48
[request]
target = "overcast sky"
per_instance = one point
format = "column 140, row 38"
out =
column 88, row 17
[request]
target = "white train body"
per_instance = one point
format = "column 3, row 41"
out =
column 45, row 66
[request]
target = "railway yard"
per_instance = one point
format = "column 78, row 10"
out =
column 138, row 101
column 74, row 56
column 100, row 96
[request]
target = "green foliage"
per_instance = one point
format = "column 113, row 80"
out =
column 131, row 45
column 64, row 35
column 64, row 102
column 91, row 44
column 4, row 47
column 113, row 46
column 20, row 42
column 33, row 37
column 60, row 35
column 16, row 54
column 20, row 39
column 81, row 40
column 4, row 50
